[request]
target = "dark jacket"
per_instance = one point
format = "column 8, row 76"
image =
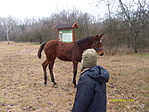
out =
column 91, row 90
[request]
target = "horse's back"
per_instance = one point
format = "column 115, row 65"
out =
column 62, row 50
column 51, row 43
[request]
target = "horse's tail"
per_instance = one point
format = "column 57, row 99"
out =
column 40, row 50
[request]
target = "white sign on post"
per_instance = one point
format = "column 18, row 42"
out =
column 65, row 35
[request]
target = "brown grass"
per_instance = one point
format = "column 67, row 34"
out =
column 22, row 88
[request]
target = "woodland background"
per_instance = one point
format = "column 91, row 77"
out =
column 126, row 29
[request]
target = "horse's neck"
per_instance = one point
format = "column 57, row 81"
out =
column 85, row 46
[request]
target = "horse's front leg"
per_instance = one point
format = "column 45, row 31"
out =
column 75, row 64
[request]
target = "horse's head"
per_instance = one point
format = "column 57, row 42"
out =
column 97, row 45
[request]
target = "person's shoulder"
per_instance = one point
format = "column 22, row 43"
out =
column 86, row 79
column 84, row 76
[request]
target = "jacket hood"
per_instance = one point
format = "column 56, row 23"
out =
column 98, row 73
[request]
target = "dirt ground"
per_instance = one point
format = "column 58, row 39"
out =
column 22, row 88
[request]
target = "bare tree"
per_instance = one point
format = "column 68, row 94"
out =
column 7, row 24
column 132, row 15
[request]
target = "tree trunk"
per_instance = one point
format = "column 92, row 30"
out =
column 132, row 36
column 7, row 32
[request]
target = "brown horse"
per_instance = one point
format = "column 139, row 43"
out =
column 68, row 52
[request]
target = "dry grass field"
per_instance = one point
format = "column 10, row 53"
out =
column 22, row 88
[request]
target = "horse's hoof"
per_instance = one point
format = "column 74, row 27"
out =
column 75, row 86
column 45, row 84
column 55, row 86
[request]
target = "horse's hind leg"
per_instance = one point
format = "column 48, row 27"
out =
column 44, row 65
column 51, row 71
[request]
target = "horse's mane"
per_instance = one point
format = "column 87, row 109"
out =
column 83, row 40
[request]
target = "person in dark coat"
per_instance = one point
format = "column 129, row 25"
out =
column 91, row 88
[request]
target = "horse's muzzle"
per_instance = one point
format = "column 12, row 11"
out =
column 101, row 53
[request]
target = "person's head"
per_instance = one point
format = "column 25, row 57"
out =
column 89, row 59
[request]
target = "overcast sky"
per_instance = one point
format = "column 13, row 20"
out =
column 44, row 8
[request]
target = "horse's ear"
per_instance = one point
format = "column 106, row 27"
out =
column 101, row 35
column 98, row 37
